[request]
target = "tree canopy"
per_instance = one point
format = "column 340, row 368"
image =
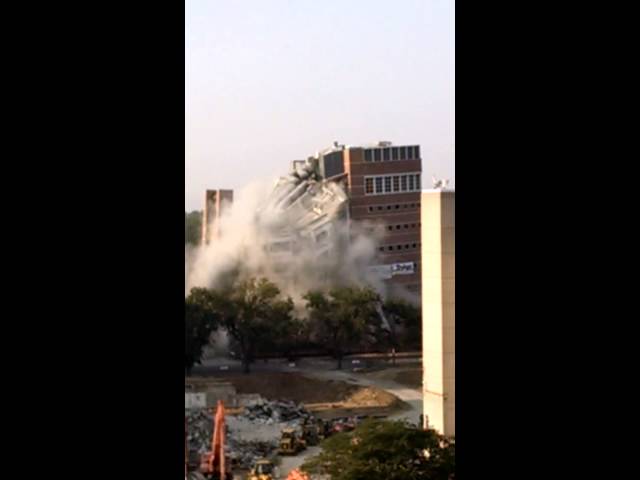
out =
column 251, row 311
column 408, row 317
column 192, row 227
column 344, row 317
column 385, row 450
column 199, row 321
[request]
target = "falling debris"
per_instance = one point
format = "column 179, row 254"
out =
column 307, row 209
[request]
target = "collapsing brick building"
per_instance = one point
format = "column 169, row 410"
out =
column 376, row 186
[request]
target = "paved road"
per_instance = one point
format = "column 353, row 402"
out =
column 221, row 365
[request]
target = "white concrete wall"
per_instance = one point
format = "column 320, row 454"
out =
column 438, row 309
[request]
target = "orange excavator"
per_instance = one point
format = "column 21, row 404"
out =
column 212, row 463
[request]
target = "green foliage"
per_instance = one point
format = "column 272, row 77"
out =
column 251, row 311
column 199, row 321
column 383, row 450
column 409, row 318
column 345, row 317
column 192, row 227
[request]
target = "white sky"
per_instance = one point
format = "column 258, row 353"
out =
column 270, row 81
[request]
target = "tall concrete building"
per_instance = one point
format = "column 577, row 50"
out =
column 215, row 202
column 438, row 309
column 383, row 183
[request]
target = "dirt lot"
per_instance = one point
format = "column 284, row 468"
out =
column 410, row 378
column 315, row 393
column 292, row 386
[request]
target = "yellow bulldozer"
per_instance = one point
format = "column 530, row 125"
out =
column 263, row 469
column 291, row 443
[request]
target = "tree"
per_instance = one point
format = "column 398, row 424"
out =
column 278, row 335
column 250, row 310
column 383, row 450
column 192, row 227
column 343, row 318
column 408, row 316
column 199, row 322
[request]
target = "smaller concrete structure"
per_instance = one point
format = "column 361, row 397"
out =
column 438, row 309
column 209, row 391
column 214, row 204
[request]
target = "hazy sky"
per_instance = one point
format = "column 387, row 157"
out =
column 270, row 81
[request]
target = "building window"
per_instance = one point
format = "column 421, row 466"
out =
column 367, row 155
column 417, row 181
column 386, row 154
column 370, row 209
column 388, row 207
column 396, row 183
column 398, row 207
column 416, row 151
column 406, row 225
column 403, row 183
column 398, row 227
column 380, row 207
column 390, row 227
column 376, row 154
column 411, row 185
column 390, row 247
column 387, row 184
column 394, row 153
column 378, row 184
column 401, row 151
column 409, row 153
column 368, row 186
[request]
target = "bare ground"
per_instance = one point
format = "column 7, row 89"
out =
column 316, row 394
column 406, row 376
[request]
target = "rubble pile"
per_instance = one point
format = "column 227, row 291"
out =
column 253, row 434
column 277, row 411
column 199, row 429
column 244, row 453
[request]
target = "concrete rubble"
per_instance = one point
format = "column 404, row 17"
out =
column 308, row 208
column 251, row 435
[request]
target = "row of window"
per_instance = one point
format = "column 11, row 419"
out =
column 381, row 184
column 386, row 154
column 400, row 226
column 406, row 246
column 391, row 206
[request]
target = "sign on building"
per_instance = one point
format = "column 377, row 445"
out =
column 390, row 270
column 407, row 268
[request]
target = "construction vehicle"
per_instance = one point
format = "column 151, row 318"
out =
column 311, row 433
column 325, row 429
column 291, row 443
column 343, row 425
column 264, row 469
column 212, row 465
